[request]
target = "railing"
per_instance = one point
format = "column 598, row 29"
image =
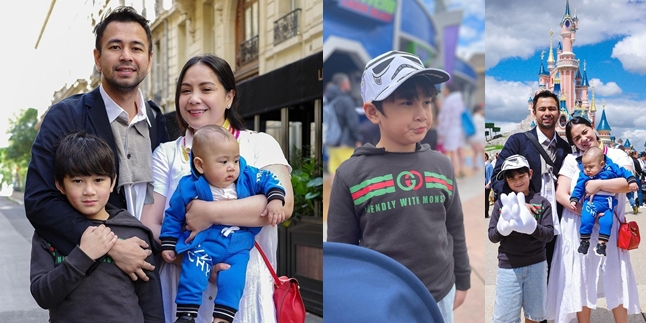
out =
column 248, row 51
column 286, row 27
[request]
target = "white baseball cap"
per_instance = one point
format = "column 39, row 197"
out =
column 386, row 72
column 512, row 162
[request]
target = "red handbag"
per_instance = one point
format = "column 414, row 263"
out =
column 628, row 237
column 287, row 296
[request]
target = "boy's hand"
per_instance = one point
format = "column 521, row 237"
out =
column 506, row 221
column 527, row 223
column 573, row 206
column 275, row 212
column 633, row 187
column 460, row 296
column 169, row 256
column 97, row 241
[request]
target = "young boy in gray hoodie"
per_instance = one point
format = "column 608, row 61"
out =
column 86, row 285
column 400, row 197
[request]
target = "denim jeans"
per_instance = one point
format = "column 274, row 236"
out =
column 524, row 287
column 446, row 306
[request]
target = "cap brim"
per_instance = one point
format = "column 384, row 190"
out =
column 436, row 76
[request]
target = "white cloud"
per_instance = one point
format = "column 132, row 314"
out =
column 506, row 101
column 601, row 89
column 465, row 52
column 521, row 29
column 630, row 52
column 470, row 7
column 467, row 32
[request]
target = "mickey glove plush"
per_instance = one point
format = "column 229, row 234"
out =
column 506, row 222
column 525, row 222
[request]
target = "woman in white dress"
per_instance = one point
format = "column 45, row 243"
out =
column 576, row 281
column 206, row 95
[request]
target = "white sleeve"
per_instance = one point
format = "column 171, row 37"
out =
column 261, row 150
column 161, row 170
column 621, row 159
column 570, row 167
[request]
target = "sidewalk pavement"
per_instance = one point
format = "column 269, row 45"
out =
column 599, row 315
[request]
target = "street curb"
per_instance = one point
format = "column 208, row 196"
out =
column 15, row 200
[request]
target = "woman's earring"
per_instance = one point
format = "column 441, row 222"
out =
column 228, row 106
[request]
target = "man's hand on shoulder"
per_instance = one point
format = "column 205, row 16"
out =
column 130, row 256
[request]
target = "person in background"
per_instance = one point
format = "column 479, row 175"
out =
column 449, row 126
column 488, row 175
column 339, row 88
column 477, row 141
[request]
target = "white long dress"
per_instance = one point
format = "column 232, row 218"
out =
column 257, row 304
column 578, row 280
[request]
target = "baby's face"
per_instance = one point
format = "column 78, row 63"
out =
column 592, row 166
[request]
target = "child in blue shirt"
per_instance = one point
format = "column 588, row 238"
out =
column 595, row 165
column 217, row 172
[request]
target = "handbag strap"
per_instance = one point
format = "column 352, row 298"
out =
column 616, row 216
column 271, row 269
column 540, row 149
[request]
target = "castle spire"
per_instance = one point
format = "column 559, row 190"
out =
column 550, row 58
column 567, row 9
column 585, row 76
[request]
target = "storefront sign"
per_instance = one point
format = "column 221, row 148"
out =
column 381, row 10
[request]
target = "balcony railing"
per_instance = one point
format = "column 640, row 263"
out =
column 286, row 27
column 248, row 51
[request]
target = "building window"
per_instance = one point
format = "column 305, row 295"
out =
column 247, row 33
column 287, row 26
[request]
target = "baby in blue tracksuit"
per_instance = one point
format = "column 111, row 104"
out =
column 595, row 165
column 215, row 166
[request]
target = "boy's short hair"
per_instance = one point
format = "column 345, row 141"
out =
column 413, row 88
column 386, row 72
column 208, row 135
column 514, row 164
column 83, row 154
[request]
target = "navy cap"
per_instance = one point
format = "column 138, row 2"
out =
column 363, row 285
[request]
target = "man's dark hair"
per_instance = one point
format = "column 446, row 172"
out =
column 223, row 72
column 122, row 14
column 544, row 94
column 81, row 154
column 486, row 156
column 575, row 121
column 339, row 78
column 413, row 88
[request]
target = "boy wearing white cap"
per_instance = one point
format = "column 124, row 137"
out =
column 521, row 280
column 399, row 197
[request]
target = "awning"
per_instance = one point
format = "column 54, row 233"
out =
column 289, row 85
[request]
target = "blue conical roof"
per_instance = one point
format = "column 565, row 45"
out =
column 627, row 143
column 578, row 74
column 559, row 47
column 567, row 8
column 533, row 124
column 542, row 71
column 530, row 99
column 585, row 79
column 603, row 123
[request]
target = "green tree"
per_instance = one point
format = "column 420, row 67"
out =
column 17, row 155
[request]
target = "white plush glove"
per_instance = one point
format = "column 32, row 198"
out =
column 525, row 221
column 506, row 222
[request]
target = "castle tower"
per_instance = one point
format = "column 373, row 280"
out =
column 543, row 75
column 566, row 64
column 603, row 129
column 593, row 108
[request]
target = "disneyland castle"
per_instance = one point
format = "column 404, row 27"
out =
column 566, row 77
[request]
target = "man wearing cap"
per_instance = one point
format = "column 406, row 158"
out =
column 399, row 197
column 546, row 112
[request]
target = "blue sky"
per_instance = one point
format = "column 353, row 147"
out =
column 472, row 38
column 611, row 38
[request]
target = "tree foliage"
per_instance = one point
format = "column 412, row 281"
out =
column 17, row 155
